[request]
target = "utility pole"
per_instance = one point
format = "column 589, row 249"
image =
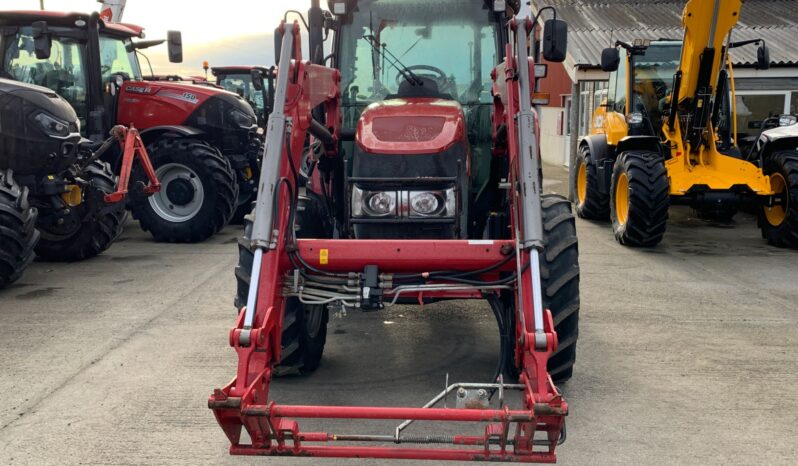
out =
column 41, row 5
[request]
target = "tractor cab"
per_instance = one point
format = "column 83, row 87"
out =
column 416, row 94
column 61, row 51
column 255, row 84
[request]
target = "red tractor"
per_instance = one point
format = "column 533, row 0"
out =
column 201, row 139
column 407, row 171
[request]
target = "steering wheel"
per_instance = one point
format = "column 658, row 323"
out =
column 439, row 76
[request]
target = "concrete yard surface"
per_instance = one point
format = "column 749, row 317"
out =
column 687, row 353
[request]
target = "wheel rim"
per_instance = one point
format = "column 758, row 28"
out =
column 181, row 195
column 581, row 182
column 776, row 214
column 622, row 198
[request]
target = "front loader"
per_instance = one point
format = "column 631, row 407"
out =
column 665, row 136
column 367, row 199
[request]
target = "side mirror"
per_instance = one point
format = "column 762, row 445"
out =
column 257, row 79
column 42, row 41
column 278, row 45
column 555, row 40
column 174, row 42
column 610, row 59
column 763, row 57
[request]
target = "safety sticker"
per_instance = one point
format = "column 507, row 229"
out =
column 324, row 256
column 480, row 242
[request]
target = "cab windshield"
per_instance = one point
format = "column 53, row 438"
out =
column 450, row 41
column 63, row 72
column 118, row 56
column 653, row 79
column 241, row 84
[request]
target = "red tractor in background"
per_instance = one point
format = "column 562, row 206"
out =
column 202, row 140
column 405, row 172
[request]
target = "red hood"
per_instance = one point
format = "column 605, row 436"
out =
column 200, row 91
column 418, row 125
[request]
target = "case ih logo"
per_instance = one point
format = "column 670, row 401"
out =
column 139, row 89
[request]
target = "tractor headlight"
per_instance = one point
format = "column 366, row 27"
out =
column 413, row 204
column 52, row 126
column 373, row 203
column 381, row 203
column 241, row 119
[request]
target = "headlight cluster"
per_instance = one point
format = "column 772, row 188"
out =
column 55, row 127
column 241, row 119
column 413, row 204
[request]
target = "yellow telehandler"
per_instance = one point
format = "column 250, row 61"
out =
column 666, row 135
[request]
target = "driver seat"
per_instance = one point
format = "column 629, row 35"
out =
column 428, row 88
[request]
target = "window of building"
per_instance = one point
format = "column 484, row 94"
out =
column 753, row 107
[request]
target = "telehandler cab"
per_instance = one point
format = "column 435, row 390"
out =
column 666, row 136
column 407, row 171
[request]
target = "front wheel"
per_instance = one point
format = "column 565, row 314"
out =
column 590, row 202
column 639, row 198
column 92, row 226
column 18, row 234
column 198, row 191
column 304, row 330
column 779, row 222
column 559, row 273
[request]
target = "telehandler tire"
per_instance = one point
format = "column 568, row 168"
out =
column 18, row 234
column 198, row 192
column 779, row 223
column 304, row 326
column 589, row 202
column 639, row 198
column 99, row 223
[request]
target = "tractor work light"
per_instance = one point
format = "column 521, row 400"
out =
column 410, row 204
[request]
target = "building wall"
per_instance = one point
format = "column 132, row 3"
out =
column 552, row 144
column 557, row 83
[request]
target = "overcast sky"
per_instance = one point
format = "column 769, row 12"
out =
column 239, row 33
column 224, row 32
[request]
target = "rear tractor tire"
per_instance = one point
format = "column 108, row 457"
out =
column 640, row 200
column 304, row 326
column 779, row 223
column 198, row 192
column 97, row 224
column 589, row 201
column 18, row 234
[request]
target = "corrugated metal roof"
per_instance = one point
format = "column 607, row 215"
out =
column 590, row 23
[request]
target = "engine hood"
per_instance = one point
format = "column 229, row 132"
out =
column 185, row 92
column 417, row 125
column 39, row 97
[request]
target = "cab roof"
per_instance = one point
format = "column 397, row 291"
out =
column 58, row 18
